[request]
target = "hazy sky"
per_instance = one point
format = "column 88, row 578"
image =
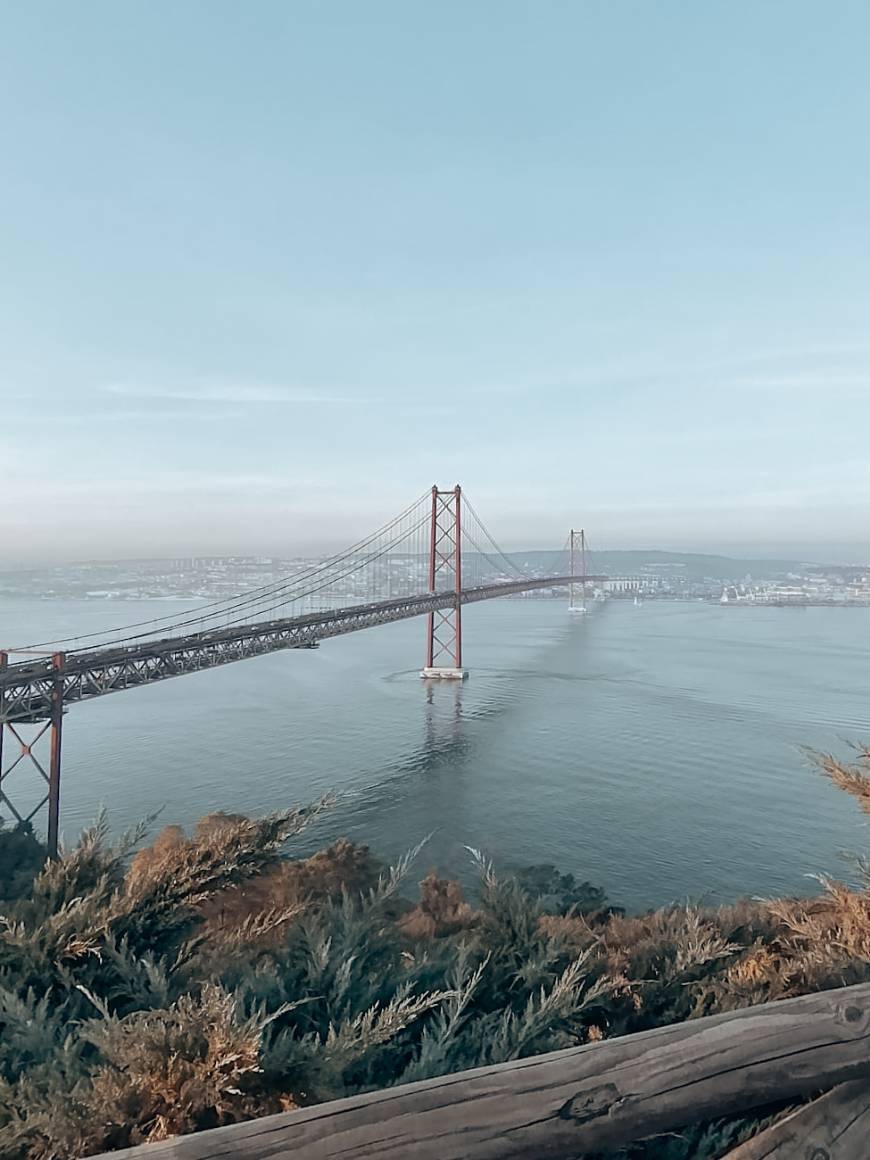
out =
column 268, row 270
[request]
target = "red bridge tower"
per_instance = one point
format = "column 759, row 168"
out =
column 444, row 627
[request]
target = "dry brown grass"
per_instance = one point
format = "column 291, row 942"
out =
column 284, row 891
column 442, row 910
column 176, row 1071
column 853, row 779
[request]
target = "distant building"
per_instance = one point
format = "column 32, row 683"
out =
column 624, row 584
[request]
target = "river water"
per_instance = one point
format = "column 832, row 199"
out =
column 654, row 750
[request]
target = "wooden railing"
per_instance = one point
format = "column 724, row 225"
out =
column 599, row 1097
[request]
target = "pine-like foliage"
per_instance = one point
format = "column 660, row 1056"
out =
column 21, row 857
column 151, row 990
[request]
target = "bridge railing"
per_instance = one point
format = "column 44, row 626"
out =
column 600, row 1096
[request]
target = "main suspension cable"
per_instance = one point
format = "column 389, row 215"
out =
column 511, row 564
column 228, row 605
column 261, row 611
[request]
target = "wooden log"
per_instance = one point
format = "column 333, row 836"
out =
column 586, row 1099
column 834, row 1127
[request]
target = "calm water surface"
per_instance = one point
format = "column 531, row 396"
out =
column 655, row 750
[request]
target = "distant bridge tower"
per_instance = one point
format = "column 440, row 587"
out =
column 444, row 626
column 578, row 556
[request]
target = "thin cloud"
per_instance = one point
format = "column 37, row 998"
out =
column 188, row 484
column 775, row 370
column 239, row 393
column 798, row 382
column 87, row 418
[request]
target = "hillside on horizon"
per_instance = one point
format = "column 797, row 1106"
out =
column 695, row 565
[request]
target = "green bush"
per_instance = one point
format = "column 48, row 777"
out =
column 151, row 990
column 21, row 858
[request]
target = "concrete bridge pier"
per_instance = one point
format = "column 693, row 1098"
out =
column 442, row 673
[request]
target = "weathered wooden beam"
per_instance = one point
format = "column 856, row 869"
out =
column 585, row 1099
column 834, row 1127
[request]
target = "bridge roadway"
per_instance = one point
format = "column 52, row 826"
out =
column 27, row 687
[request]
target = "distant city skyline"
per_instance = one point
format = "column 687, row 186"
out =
column 269, row 272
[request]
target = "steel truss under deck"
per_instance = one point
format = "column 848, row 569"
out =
column 28, row 689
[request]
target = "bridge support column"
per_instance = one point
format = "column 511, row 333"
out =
column 27, row 737
column 58, row 661
column 444, row 627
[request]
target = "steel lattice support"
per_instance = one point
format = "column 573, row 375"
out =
column 30, row 739
column 444, row 625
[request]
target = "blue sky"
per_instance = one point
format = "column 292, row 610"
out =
column 269, row 270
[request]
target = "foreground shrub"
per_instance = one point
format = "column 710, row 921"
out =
column 21, row 858
column 212, row 977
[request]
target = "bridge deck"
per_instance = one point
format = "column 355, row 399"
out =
column 26, row 686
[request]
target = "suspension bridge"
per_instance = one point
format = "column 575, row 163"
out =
column 431, row 560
